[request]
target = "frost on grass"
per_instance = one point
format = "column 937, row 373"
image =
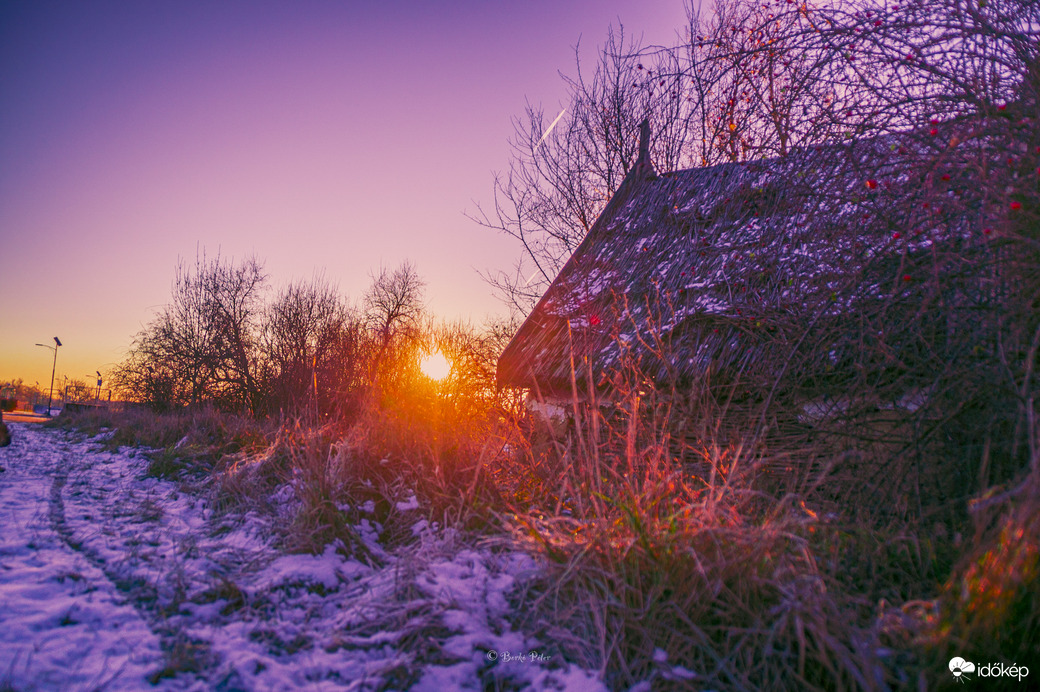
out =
column 112, row 579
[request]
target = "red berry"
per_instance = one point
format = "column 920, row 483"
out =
column 934, row 131
column 897, row 235
column 872, row 184
column 946, row 176
column 1016, row 206
column 907, row 277
column 987, row 231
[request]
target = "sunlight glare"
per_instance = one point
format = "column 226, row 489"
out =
column 435, row 366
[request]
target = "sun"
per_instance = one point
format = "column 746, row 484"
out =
column 435, row 366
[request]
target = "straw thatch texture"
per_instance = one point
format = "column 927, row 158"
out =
column 721, row 270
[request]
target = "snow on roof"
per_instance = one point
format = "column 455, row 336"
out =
column 709, row 261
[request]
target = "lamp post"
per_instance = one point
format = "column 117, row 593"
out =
column 54, row 365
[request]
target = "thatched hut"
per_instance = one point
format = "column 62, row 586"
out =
column 719, row 271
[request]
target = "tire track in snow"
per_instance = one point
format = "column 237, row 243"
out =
column 116, row 520
column 216, row 604
column 63, row 623
column 140, row 593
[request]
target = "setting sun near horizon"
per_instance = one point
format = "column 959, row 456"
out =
column 435, row 366
column 322, row 138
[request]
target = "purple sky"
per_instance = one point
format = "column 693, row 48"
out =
column 321, row 136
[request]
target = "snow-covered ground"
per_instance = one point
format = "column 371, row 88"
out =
column 112, row 580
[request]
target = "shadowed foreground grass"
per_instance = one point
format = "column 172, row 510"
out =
column 705, row 573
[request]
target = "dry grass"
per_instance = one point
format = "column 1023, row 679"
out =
column 441, row 447
column 706, row 559
column 761, row 563
column 191, row 440
column 989, row 609
column 658, row 565
column 413, row 443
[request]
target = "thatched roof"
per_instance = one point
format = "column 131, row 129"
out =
column 706, row 269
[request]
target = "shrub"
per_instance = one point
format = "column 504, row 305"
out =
column 989, row 609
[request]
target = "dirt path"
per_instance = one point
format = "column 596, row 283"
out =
column 112, row 580
column 63, row 623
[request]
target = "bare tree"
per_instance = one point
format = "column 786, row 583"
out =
column 306, row 330
column 202, row 346
column 235, row 304
column 727, row 91
column 393, row 312
column 764, row 82
column 564, row 170
column 747, row 80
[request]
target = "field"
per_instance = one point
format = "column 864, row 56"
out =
column 203, row 550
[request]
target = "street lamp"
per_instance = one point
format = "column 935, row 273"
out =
column 50, row 397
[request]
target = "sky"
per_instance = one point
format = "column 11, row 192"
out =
column 325, row 138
